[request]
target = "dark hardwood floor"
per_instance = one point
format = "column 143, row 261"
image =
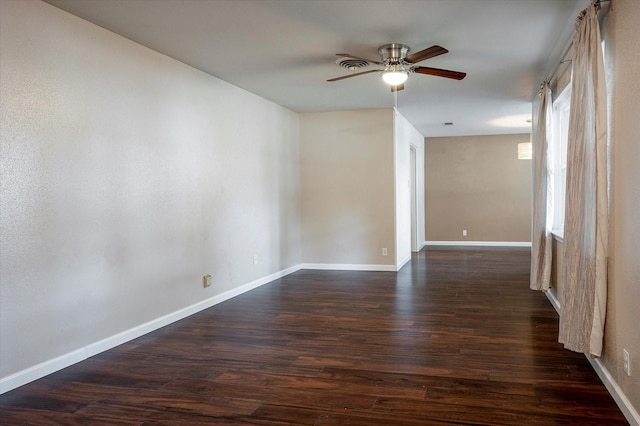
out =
column 455, row 337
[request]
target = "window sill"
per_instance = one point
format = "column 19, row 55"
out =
column 558, row 235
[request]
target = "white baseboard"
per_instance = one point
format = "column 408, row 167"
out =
column 551, row 295
column 606, row 378
column 403, row 262
column 40, row 370
column 631, row 414
column 45, row 368
column 348, row 267
column 479, row 243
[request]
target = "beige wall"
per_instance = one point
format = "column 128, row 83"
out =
column 347, row 187
column 126, row 176
column 478, row 184
column 622, row 328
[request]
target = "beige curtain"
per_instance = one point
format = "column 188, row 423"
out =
column 542, row 197
column 586, row 207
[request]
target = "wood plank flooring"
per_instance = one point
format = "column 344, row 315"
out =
column 455, row 338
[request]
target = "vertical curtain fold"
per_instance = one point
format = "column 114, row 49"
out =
column 542, row 198
column 586, row 205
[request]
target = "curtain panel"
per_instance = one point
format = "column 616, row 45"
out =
column 586, row 205
column 541, row 253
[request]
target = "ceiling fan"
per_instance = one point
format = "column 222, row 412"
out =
column 398, row 64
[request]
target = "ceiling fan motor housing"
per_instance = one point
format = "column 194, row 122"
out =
column 393, row 53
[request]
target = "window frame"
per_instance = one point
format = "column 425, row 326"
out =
column 559, row 141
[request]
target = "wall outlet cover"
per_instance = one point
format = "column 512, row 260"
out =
column 626, row 362
column 206, row 280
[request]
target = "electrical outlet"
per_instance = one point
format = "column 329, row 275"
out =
column 464, row 232
column 626, row 362
column 206, row 281
column 384, row 251
column 255, row 259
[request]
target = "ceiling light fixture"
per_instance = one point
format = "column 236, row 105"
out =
column 525, row 151
column 395, row 75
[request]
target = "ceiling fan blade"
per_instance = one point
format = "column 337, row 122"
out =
column 427, row 53
column 347, row 55
column 353, row 75
column 397, row 88
column 456, row 75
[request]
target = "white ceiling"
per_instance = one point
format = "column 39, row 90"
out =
column 284, row 50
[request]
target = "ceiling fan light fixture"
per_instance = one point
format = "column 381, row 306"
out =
column 394, row 75
column 397, row 65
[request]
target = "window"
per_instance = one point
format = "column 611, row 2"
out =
column 558, row 167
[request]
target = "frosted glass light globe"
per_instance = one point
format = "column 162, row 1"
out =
column 394, row 78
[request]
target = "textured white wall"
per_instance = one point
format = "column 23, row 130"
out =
column 406, row 136
column 126, row 176
column 420, row 171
